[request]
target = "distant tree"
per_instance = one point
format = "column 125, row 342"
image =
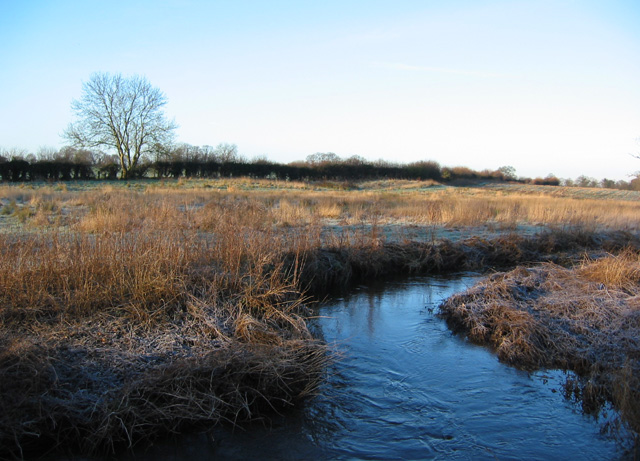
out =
column 550, row 180
column 424, row 169
column 463, row 172
column 226, row 153
column 15, row 153
column 207, row 153
column 122, row 114
column 382, row 163
column 261, row 160
column 608, row 184
column 323, row 158
column 585, row 181
column 46, row 153
column 508, row 172
column 82, row 161
column 355, row 160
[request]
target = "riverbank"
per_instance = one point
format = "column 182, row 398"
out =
column 128, row 314
column 584, row 318
column 106, row 378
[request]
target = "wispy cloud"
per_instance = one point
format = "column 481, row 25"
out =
column 441, row 70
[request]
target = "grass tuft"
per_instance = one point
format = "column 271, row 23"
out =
column 585, row 319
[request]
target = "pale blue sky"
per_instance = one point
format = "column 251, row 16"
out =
column 544, row 86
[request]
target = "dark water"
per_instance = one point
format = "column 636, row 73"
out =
column 409, row 389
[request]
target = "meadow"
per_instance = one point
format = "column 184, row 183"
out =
column 134, row 309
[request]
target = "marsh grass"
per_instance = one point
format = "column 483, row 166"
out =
column 144, row 317
column 621, row 272
column 128, row 312
column 9, row 208
column 288, row 204
column 121, row 337
column 585, row 318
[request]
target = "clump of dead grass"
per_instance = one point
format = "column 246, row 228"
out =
column 96, row 398
column 621, row 272
column 585, row 319
column 113, row 334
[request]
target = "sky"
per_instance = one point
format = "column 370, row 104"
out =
column 545, row 86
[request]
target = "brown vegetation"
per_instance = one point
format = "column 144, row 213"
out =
column 134, row 322
column 131, row 310
column 585, row 318
column 286, row 204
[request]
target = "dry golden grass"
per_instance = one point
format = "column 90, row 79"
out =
column 415, row 203
column 621, row 272
column 129, row 309
column 138, row 292
column 585, row 319
column 461, row 209
column 289, row 204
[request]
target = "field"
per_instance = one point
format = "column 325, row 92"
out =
column 133, row 309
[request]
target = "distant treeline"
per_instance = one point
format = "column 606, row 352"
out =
column 223, row 161
column 186, row 161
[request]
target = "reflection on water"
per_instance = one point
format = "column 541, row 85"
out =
column 408, row 389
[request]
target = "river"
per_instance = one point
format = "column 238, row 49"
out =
column 407, row 388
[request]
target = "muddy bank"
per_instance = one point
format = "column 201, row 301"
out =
column 585, row 318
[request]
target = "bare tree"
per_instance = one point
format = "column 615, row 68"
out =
column 226, row 153
column 122, row 114
column 14, row 153
column 323, row 158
